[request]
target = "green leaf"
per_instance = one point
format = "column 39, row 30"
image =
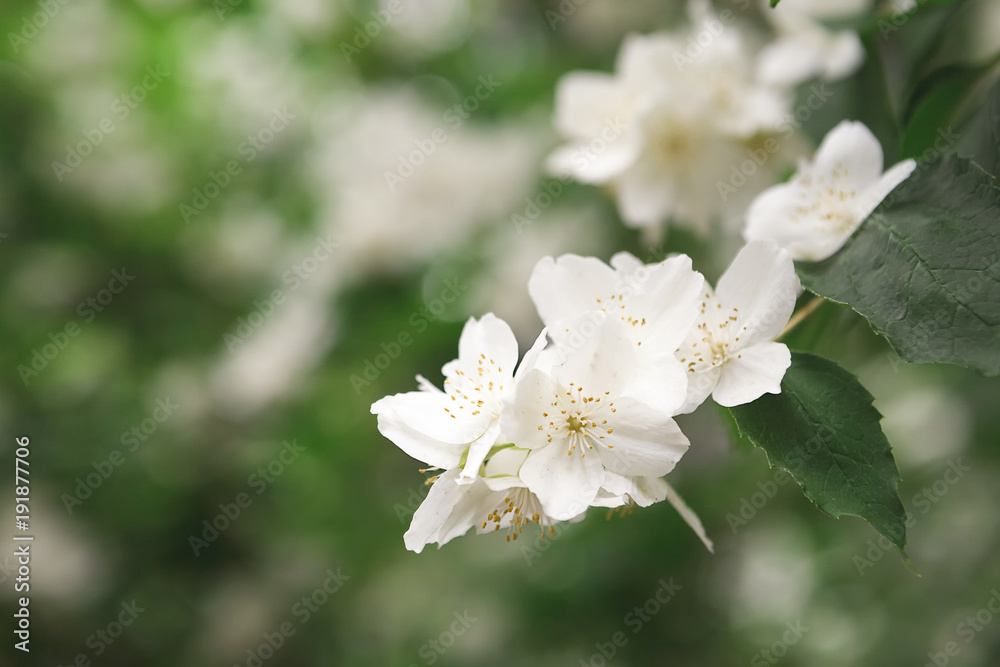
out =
column 823, row 430
column 939, row 103
column 985, row 134
column 774, row 3
column 924, row 268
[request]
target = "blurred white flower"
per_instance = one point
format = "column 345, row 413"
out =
column 430, row 27
column 670, row 122
column 729, row 352
column 813, row 215
column 266, row 361
column 596, row 402
column 805, row 48
column 450, row 188
column 460, row 425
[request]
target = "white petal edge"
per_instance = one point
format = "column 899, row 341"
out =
column 758, row 371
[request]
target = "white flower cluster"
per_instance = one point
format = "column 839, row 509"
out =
column 686, row 108
column 586, row 420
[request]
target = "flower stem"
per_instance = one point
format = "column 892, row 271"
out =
column 803, row 312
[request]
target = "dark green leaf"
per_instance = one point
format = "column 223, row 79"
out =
column 939, row 104
column 924, row 268
column 823, row 430
column 984, row 135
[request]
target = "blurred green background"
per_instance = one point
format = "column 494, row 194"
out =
column 231, row 156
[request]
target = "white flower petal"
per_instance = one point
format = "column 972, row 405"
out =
column 506, row 462
column 436, row 520
column 700, row 386
column 853, row 150
column 890, row 180
column 566, row 485
column 641, row 441
column 789, row 60
column 600, row 358
column 660, row 379
column 522, row 410
column 596, row 161
column 620, row 489
column 532, row 358
column 564, row 289
column 762, row 286
column 418, row 445
column 626, row 263
column 423, row 384
column 645, row 197
column 689, row 516
column 768, row 218
column 489, row 338
column 586, row 101
column 669, row 301
column 757, row 371
column 434, row 415
column 478, row 451
column 844, row 55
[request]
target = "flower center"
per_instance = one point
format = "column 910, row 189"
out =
column 716, row 343
column 475, row 389
column 831, row 199
column 578, row 419
column 519, row 508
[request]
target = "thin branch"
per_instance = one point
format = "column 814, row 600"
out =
column 802, row 314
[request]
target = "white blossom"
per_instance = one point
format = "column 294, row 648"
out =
column 730, row 352
column 813, row 215
column 497, row 500
column 461, row 424
column 656, row 305
column 805, row 48
column 669, row 123
column 588, row 415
